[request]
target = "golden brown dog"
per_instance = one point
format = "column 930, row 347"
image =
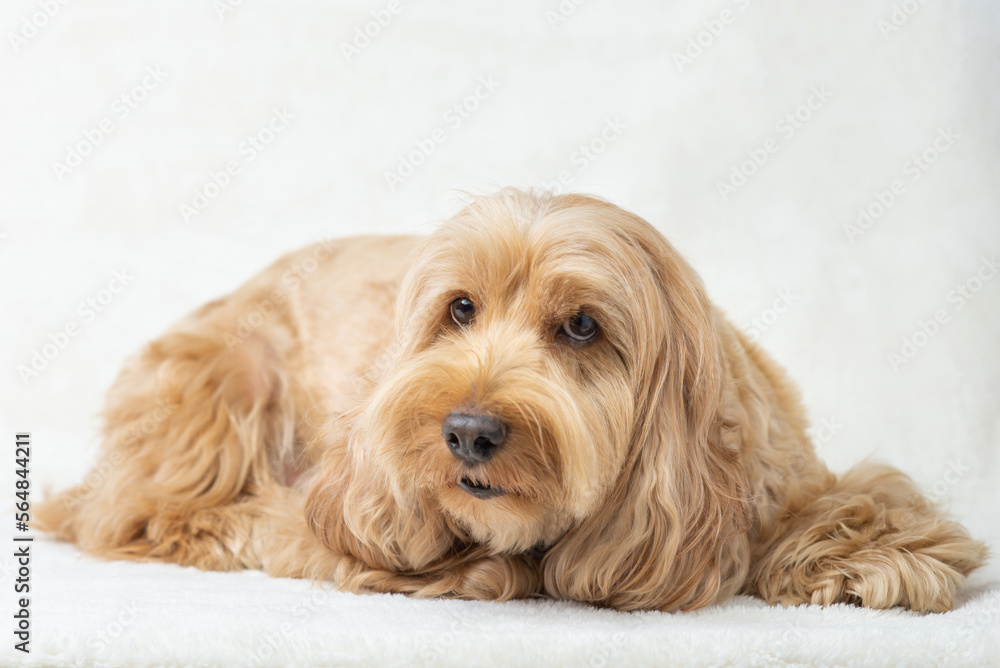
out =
column 538, row 399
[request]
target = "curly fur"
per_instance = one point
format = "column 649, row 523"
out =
column 295, row 426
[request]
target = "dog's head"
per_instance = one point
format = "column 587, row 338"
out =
column 556, row 381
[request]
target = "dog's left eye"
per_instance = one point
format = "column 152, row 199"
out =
column 581, row 328
column 462, row 311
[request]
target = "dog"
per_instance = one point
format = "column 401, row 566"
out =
column 538, row 399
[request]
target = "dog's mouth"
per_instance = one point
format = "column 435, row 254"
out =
column 480, row 490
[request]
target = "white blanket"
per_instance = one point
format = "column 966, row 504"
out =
column 89, row 612
column 830, row 169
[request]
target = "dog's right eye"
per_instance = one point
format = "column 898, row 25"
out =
column 462, row 311
column 581, row 328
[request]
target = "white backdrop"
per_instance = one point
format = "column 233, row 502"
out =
column 831, row 169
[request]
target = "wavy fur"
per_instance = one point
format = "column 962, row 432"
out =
column 295, row 426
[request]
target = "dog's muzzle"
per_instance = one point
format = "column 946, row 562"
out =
column 474, row 438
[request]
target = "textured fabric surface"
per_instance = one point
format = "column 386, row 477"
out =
column 830, row 169
column 96, row 613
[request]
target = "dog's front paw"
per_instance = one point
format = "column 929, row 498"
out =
column 500, row 579
column 874, row 579
column 881, row 550
column 876, row 576
column 491, row 578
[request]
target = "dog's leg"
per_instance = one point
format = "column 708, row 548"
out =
column 189, row 426
column 371, row 542
column 487, row 578
column 871, row 539
column 287, row 547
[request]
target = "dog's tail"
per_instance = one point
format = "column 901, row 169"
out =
column 193, row 426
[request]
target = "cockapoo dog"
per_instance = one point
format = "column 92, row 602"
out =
column 536, row 400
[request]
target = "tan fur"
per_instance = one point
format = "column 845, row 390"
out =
column 295, row 426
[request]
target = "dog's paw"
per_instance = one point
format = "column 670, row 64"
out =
column 891, row 570
column 875, row 580
column 872, row 540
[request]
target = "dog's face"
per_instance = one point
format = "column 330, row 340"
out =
column 512, row 398
column 541, row 345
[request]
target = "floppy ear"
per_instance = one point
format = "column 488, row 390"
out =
column 671, row 533
column 356, row 506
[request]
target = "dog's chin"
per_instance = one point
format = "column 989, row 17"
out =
column 504, row 519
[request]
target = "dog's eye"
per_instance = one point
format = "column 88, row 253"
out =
column 462, row 311
column 581, row 328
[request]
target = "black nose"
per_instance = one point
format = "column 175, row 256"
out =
column 473, row 438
